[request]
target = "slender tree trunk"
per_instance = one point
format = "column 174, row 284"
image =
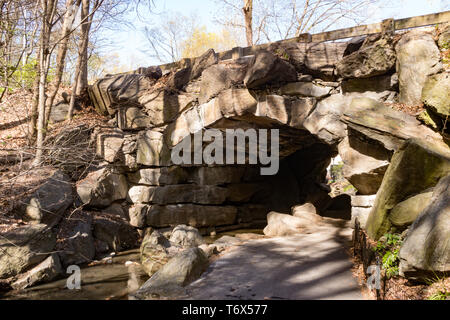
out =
column 248, row 16
column 48, row 12
column 69, row 17
column 85, row 28
column 80, row 81
column 35, row 101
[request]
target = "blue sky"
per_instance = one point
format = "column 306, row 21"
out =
column 128, row 44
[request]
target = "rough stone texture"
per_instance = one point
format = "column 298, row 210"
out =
column 137, row 214
column 186, row 237
column 267, row 69
column 49, row 202
column 220, row 77
column 75, row 240
column 183, row 193
column 109, row 145
column 116, row 232
column 201, row 63
column 300, row 110
column 377, row 122
column 190, row 214
column 102, row 187
column 417, row 58
column 162, row 106
column 436, row 94
column 415, row 167
column 444, row 37
column 372, row 59
column 46, row 271
column 425, row 249
column 305, row 89
column 405, row 212
column 151, row 150
column 325, row 122
column 109, row 93
column 217, row 175
column 154, row 252
column 361, row 168
column 274, row 107
column 132, row 118
column 23, row 247
column 159, row 176
column 307, row 209
column 181, row 270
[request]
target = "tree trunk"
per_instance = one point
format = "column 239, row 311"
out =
column 83, row 53
column 69, row 17
column 48, row 12
column 248, row 16
column 81, row 82
column 35, row 101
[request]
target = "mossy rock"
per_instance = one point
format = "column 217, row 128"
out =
column 429, row 119
column 415, row 167
column 404, row 213
column 436, row 94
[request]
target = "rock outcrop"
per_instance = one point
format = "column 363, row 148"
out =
column 424, row 252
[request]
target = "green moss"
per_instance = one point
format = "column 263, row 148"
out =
column 426, row 119
column 416, row 166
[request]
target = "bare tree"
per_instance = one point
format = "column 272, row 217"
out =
column 71, row 10
column 166, row 37
column 248, row 17
column 48, row 13
column 280, row 19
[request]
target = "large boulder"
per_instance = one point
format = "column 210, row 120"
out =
column 182, row 193
column 444, row 37
column 109, row 145
column 375, row 57
column 180, row 271
column 425, row 251
column 163, row 105
column 186, row 237
column 305, row 89
column 151, row 150
column 46, row 271
column 364, row 164
column 404, row 213
column 159, row 216
column 75, row 240
column 279, row 224
column 361, row 207
column 132, row 118
column 155, row 252
column 267, row 69
column 24, row 247
column 49, row 202
column 159, row 176
column 102, row 187
column 436, row 94
column 371, row 119
column 109, row 93
column 116, row 232
column 417, row 58
column 220, row 77
column 415, row 167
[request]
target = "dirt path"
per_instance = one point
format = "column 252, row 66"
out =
column 305, row 266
